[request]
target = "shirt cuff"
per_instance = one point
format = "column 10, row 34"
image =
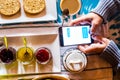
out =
column 111, row 54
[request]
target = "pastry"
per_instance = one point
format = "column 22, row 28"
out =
column 9, row 7
column 33, row 6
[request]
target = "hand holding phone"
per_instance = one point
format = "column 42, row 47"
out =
column 75, row 35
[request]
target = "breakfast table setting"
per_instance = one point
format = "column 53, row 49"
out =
column 35, row 33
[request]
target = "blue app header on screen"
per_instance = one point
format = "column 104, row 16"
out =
column 85, row 32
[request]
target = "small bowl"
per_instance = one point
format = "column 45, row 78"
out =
column 7, row 56
column 23, row 57
column 43, row 55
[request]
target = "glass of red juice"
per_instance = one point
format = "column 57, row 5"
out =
column 43, row 55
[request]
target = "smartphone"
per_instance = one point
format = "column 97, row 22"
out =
column 75, row 35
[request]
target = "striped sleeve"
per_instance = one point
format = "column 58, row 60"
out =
column 111, row 54
column 107, row 8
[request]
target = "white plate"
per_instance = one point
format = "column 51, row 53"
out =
column 49, row 14
column 40, row 37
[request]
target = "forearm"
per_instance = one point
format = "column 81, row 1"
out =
column 112, row 54
column 107, row 8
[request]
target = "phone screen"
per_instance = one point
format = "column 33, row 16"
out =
column 75, row 35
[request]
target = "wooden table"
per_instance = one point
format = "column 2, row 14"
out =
column 96, row 69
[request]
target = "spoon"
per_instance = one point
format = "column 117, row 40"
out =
column 65, row 14
column 25, row 44
column 6, row 42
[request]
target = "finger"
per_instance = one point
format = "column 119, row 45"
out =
column 95, row 24
column 94, row 27
column 87, row 49
column 97, row 38
column 85, row 46
column 82, row 48
column 93, row 48
column 101, row 39
column 106, row 41
column 80, row 19
column 96, row 48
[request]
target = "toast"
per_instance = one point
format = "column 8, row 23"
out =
column 9, row 7
column 33, row 6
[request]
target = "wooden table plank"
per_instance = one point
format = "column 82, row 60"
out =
column 97, row 74
column 95, row 61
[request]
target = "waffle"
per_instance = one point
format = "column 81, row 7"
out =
column 9, row 7
column 33, row 6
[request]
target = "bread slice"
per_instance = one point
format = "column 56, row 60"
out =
column 33, row 6
column 9, row 7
